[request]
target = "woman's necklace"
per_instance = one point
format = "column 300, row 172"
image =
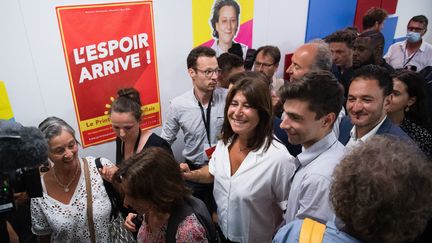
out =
column 66, row 187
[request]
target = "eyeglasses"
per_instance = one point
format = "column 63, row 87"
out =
column 209, row 73
column 262, row 65
column 415, row 29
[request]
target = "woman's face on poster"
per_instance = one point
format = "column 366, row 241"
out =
column 227, row 24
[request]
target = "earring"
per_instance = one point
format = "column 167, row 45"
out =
column 407, row 109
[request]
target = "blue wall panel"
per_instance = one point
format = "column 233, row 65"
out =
column 325, row 17
column 389, row 31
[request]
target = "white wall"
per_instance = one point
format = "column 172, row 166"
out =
column 33, row 67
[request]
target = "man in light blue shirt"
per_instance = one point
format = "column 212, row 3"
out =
column 199, row 113
column 380, row 193
column 311, row 107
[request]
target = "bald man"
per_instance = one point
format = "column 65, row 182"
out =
column 313, row 56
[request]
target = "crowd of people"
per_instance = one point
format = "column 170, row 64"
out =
column 340, row 152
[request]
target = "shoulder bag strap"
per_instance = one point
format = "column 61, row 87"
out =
column 113, row 196
column 89, row 201
column 311, row 231
column 179, row 213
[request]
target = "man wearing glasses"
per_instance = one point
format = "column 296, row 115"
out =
column 413, row 53
column 199, row 113
column 267, row 62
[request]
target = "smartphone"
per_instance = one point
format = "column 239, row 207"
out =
column 137, row 221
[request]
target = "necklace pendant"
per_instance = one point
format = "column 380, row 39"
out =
column 66, row 189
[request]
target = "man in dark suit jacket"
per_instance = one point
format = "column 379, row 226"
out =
column 369, row 97
column 387, row 127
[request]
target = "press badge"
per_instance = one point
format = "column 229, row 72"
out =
column 208, row 151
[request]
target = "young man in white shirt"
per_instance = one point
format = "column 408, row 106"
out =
column 309, row 117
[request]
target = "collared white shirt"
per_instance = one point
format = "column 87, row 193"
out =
column 248, row 201
column 397, row 56
column 185, row 114
column 354, row 140
column 219, row 51
column 309, row 194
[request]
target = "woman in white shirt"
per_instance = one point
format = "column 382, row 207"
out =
column 61, row 214
column 251, row 170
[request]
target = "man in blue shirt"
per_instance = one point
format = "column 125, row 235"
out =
column 380, row 193
column 309, row 117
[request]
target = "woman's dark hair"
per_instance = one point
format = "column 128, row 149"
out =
column 154, row 175
column 415, row 88
column 128, row 100
column 254, row 87
column 217, row 7
column 372, row 16
column 233, row 79
column 381, row 191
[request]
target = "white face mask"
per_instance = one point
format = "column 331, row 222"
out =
column 413, row 37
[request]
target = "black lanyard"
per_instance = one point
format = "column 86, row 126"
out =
column 409, row 59
column 206, row 121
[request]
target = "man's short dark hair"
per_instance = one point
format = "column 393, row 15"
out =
column 345, row 36
column 200, row 51
column 372, row 16
column 377, row 40
column 375, row 72
column 421, row 19
column 228, row 61
column 272, row 51
column 320, row 88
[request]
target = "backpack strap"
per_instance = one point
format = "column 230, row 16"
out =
column 178, row 214
column 311, row 231
column 203, row 216
column 191, row 205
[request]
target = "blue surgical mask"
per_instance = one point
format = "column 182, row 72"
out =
column 413, row 37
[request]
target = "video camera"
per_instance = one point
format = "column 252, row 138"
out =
column 22, row 150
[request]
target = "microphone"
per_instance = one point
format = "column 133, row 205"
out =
column 22, row 150
column 21, row 146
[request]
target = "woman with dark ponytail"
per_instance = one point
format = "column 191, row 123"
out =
column 125, row 115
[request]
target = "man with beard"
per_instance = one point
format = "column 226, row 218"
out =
column 367, row 49
column 309, row 57
column 369, row 97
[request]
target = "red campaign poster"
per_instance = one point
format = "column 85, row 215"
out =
column 107, row 47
